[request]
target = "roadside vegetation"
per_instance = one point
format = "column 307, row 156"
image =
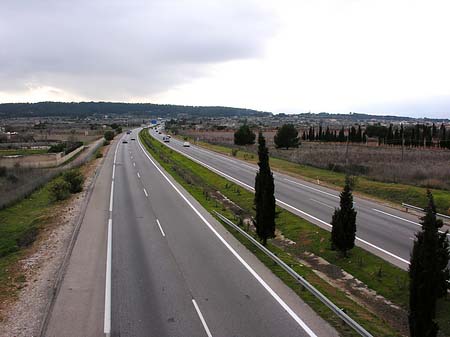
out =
column 334, row 177
column 216, row 193
column 22, row 222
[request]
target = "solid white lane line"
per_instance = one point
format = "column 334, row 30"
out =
column 231, row 249
column 400, row 218
column 111, row 197
column 357, row 238
column 145, row 192
column 114, row 171
column 322, row 203
column 286, row 204
column 160, row 228
column 312, row 188
column 139, row 176
column 202, row 319
column 107, row 317
column 397, row 217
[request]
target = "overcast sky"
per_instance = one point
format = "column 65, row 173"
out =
column 383, row 56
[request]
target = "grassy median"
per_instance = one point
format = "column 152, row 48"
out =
column 386, row 279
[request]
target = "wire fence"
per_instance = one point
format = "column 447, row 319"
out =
column 32, row 179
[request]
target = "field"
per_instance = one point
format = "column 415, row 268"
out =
column 22, row 152
column 381, row 172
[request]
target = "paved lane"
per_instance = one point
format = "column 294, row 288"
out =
column 177, row 272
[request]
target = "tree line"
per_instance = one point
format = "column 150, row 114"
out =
column 429, row 273
column 419, row 135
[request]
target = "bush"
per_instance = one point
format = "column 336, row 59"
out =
column 2, row 171
column 109, row 135
column 98, row 154
column 75, row 180
column 105, row 143
column 60, row 147
column 12, row 178
column 59, row 189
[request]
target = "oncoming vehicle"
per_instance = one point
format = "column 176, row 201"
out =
column 166, row 139
column 186, row 144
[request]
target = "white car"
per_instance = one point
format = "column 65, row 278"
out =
column 186, row 144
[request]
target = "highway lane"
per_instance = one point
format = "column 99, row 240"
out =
column 385, row 231
column 177, row 272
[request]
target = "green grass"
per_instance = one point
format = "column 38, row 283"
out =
column 197, row 179
column 23, row 152
column 391, row 192
column 19, row 225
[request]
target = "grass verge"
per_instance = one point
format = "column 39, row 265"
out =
column 392, row 282
column 392, row 192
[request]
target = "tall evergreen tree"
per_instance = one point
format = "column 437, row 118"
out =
column 244, row 136
column 264, row 194
column 286, row 137
column 343, row 223
column 428, row 273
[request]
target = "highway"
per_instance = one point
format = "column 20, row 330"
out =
column 150, row 261
column 387, row 232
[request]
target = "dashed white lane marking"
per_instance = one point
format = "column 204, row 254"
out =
column 322, row 203
column 138, row 175
column 134, row 164
column 145, row 192
column 202, row 319
column 263, row 283
column 160, row 228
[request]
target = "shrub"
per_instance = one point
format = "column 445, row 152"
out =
column 12, row 178
column 60, row 147
column 98, row 154
column 105, row 143
column 75, row 180
column 59, row 189
column 109, row 135
column 2, row 171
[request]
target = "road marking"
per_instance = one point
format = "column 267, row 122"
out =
column 134, row 164
column 397, row 217
column 400, row 218
column 312, row 188
column 286, row 204
column 199, row 313
column 107, row 316
column 145, row 192
column 237, row 256
column 160, row 228
column 111, row 196
column 139, row 176
column 322, row 203
column 107, row 319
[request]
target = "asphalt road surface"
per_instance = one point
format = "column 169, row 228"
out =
column 387, row 232
column 150, row 261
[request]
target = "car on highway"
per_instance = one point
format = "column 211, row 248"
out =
column 166, row 139
column 128, row 132
column 186, row 144
column 133, row 138
column 124, row 142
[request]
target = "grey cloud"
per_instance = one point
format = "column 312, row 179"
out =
column 103, row 48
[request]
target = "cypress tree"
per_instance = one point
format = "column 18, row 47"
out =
column 264, row 194
column 343, row 223
column 244, row 136
column 428, row 273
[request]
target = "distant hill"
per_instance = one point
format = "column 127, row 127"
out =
column 85, row 109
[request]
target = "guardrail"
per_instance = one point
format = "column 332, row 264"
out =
column 339, row 312
column 408, row 206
